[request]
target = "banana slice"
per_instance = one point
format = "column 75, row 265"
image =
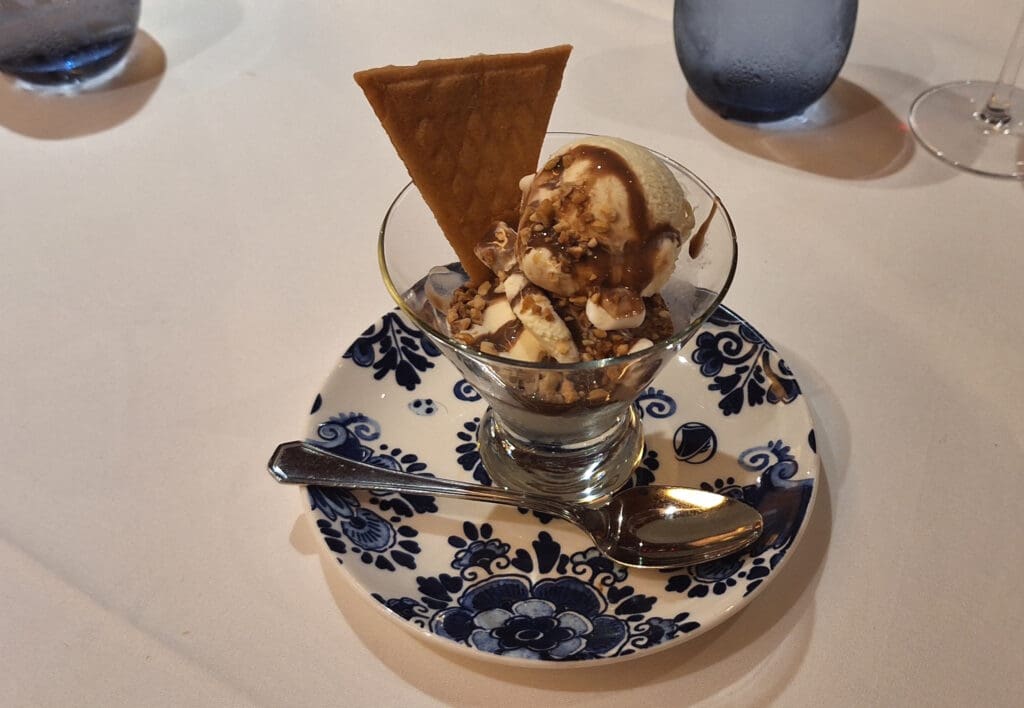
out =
column 533, row 308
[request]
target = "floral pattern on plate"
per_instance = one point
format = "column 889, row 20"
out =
column 583, row 612
column 743, row 364
column 726, row 416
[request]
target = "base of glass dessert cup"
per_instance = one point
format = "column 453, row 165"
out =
column 581, row 472
column 955, row 124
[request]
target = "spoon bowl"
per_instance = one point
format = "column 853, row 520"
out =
column 653, row 527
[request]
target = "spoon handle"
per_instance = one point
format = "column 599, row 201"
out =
column 301, row 463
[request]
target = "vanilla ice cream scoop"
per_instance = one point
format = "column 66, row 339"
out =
column 577, row 278
column 602, row 216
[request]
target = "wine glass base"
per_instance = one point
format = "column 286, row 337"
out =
column 950, row 121
column 580, row 473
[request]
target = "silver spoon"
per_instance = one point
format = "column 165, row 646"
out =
column 654, row 526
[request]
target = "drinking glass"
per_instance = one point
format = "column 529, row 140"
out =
column 977, row 126
column 65, row 42
column 754, row 60
column 534, row 437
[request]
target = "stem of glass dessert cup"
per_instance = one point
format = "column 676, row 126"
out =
column 997, row 110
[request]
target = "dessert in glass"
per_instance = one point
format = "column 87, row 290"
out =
column 558, row 272
column 559, row 388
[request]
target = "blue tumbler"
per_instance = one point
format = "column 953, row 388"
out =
column 762, row 60
column 65, row 42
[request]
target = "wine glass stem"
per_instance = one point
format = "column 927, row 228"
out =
column 997, row 110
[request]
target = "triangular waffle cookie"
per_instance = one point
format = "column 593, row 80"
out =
column 467, row 130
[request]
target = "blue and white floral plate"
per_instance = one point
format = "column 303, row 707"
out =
column 726, row 415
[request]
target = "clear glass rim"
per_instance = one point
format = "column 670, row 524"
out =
column 665, row 345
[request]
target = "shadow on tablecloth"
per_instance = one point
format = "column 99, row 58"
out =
column 848, row 134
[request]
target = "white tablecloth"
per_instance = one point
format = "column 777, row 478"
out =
column 183, row 258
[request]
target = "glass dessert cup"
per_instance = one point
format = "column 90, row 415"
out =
column 568, row 431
